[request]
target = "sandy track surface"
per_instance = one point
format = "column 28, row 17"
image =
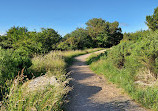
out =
column 94, row 93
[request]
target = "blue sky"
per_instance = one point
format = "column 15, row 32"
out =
column 66, row 15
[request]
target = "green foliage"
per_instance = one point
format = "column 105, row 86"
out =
column 137, row 36
column 104, row 34
column 68, row 44
column 102, row 39
column 49, row 39
column 18, row 38
column 78, row 39
column 28, row 46
column 30, row 43
column 16, row 33
column 152, row 21
column 96, row 26
column 124, row 63
column 98, row 33
column 11, row 63
column 5, row 42
column 52, row 62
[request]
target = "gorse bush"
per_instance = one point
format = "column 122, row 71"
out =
column 141, row 53
column 134, row 66
column 135, row 37
column 11, row 62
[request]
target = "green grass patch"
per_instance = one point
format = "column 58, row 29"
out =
column 131, row 62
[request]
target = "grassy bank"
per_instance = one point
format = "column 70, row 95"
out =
column 133, row 65
column 51, row 96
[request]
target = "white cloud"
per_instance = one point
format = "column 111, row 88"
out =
column 124, row 24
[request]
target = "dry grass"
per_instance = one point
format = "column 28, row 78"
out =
column 146, row 78
column 51, row 97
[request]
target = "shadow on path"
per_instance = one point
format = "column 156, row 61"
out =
column 88, row 92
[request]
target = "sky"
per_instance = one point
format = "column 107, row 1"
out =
column 66, row 15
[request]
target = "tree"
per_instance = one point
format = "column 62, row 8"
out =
column 82, row 37
column 16, row 33
column 152, row 21
column 18, row 38
column 115, row 33
column 102, row 39
column 95, row 26
column 104, row 34
column 78, row 39
column 5, row 43
column 49, row 39
column 13, row 35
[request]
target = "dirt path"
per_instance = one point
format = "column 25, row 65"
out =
column 94, row 93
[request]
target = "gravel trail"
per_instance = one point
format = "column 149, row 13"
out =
column 94, row 93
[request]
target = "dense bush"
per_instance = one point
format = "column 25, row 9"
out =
column 29, row 43
column 49, row 39
column 137, row 36
column 11, row 63
column 130, row 62
column 152, row 20
column 78, row 39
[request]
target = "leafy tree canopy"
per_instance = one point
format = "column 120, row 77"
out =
column 152, row 20
column 49, row 38
column 104, row 34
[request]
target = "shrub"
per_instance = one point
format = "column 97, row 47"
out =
column 123, row 64
column 11, row 63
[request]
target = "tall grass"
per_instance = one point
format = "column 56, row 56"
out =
column 51, row 97
column 56, row 61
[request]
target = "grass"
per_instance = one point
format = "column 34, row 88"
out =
column 125, row 78
column 51, row 97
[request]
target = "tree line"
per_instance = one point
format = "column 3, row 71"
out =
column 19, row 45
column 98, row 33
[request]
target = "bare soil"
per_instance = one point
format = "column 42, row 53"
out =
column 94, row 93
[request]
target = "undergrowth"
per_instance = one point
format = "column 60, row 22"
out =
column 51, row 97
column 125, row 63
